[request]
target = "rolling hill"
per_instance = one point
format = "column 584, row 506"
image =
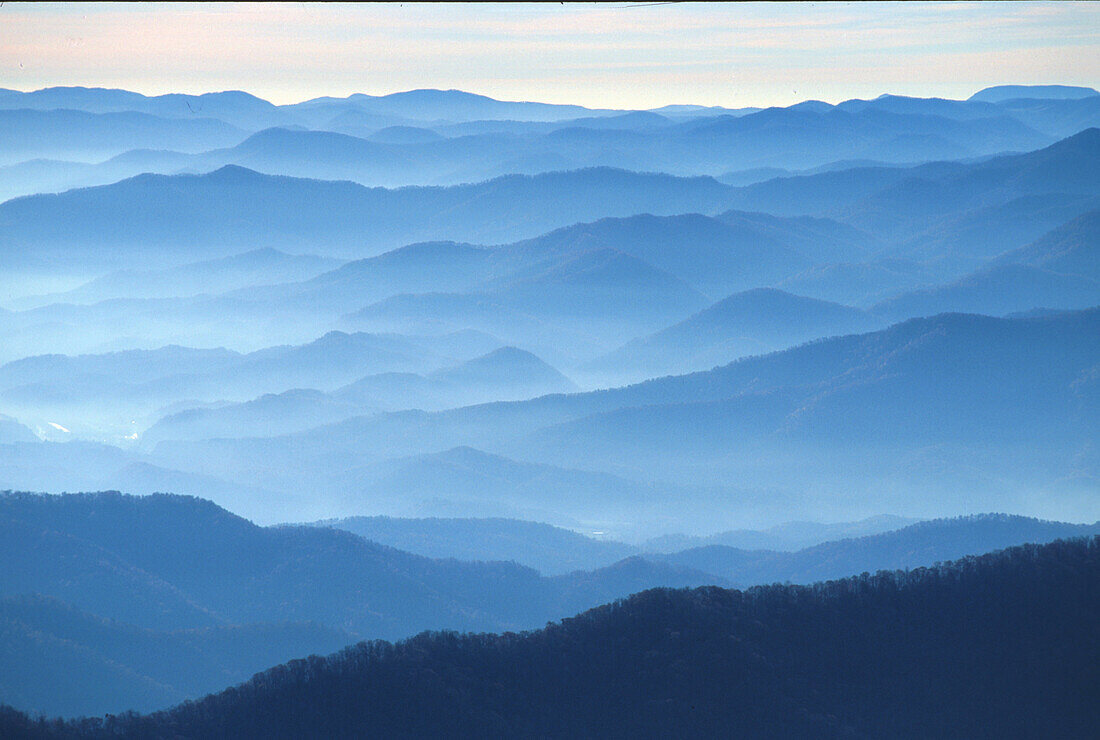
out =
column 506, row 373
column 716, row 256
column 73, row 134
column 899, row 204
column 174, row 562
column 831, row 660
column 750, row 323
column 59, row 660
column 1071, row 249
column 164, row 215
column 258, row 267
column 996, row 291
column 706, row 253
column 548, row 549
column 860, row 284
column 915, row 546
column 1000, row 406
column 352, row 139
column 233, row 106
column 1001, row 93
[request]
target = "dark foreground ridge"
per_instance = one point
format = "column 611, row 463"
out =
column 1001, row 645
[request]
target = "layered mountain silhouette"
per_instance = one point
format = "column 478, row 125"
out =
column 1070, row 249
column 167, row 573
column 708, row 254
column 119, row 395
column 716, row 256
column 506, row 373
column 235, row 107
column 823, row 661
column 366, row 140
column 450, row 105
column 1000, row 93
column 941, row 400
column 259, row 267
column 133, row 365
column 860, row 283
column 173, row 373
column 785, row 537
column 417, row 268
column 145, row 595
column 163, row 215
column 568, row 309
column 898, row 204
column 272, row 413
column 1057, row 117
column 996, row 291
column 61, row 660
column 551, row 550
column 903, row 549
column 173, row 554
column 548, row 549
column 749, row 323
column 908, row 389
column 471, row 481
column 569, row 295
column 74, row 134
column 513, row 361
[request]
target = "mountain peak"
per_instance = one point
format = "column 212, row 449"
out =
column 510, row 354
column 235, row 172
column 508, row 358
column 509, row 365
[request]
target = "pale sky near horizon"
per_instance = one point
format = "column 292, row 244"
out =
column 616, row 55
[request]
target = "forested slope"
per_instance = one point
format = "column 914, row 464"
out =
column 1002, row 645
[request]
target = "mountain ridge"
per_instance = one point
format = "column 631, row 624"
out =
column 714, row 660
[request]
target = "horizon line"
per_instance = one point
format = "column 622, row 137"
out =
column 522, row 102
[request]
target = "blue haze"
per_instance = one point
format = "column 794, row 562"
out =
column 497, row 363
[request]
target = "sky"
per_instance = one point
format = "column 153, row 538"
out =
column 604, row 55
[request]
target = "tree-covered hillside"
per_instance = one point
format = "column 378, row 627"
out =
column 1002, row 645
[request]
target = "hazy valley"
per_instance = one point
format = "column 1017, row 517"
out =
column 280, row 381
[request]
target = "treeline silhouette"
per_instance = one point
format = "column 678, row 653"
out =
column 999, row 645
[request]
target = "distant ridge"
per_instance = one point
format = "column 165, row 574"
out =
column 234, row 106
column 932, row 541
column 752, row 322
column 999, row 93
column 877, row 406
column 504, row 367
column 996, row 291
column 233, row 209
column 1073, row 248
column 242, row 108
column 454, row 105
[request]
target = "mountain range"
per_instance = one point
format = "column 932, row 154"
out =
column 897, row 204
column 506, row 373
column 442, row 370
column 1020, row 380
column 831, row 660
column 754, row 322
column 140, row 596
column 174, row 218
column 456, row 137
